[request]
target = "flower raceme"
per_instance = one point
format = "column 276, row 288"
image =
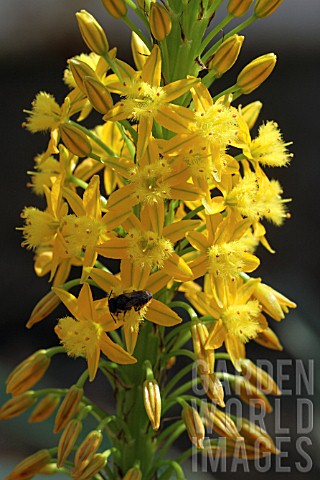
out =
column 166, row 196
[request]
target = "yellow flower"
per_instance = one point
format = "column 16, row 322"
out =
column 222, row 252
column 149, row 244
column 132, row 277
column 88, row 228
column 206, row 132
column 238, row 318
column 268, row 148
column 146, row 100
column 84, row 334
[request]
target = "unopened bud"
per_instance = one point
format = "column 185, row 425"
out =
column 28, row 373
column 250, row 394
column 194, row 424
column 226, row 55
column 76, row 141
column 264, row 8
column 213, row 388
column 140, row 51
column 30, row 466
column 67, row 440
column 152, row 402
column 43, row 308
column 160, row 21
column 256, row 72
column 274, row 303
column 133, row 474
column 254, row 435
column 220, row 422
column 144, row 5
column 17, row 405
column 44, row 408
column 115, row 8
column 92, row 33
column 205, row 357
column 80, row 70
column 268, row 339
column 258, row 377
column 238, row 8
column 87, row 449
column 251, row 112
column 97, row 94
column 68, row 408
column 94, row 466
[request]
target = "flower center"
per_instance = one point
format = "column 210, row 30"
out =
column 148, row 249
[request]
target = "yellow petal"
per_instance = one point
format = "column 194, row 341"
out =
column 216, row 336
column 104, row 280
column 93, row 357
column 115, row 352
column 155, row 213
column 185, row 191
column 74, row 200
column 86, row 309
column 175, row 118
column 160, row 314
column 131, row 337
column 250, row 262
column 157, row 280
column 198, row 241
column 114, row 248
column 144, row 133
column 122, row 199
column 69, row 300
column 201, row 98
column 151, row 71
column 116, row 113
column 199, row 266
column 178, row 88
column 91, row 198
column 89, row 260
column 115, row 217
column 177, row 268
column 236, row 350
column 178, row 230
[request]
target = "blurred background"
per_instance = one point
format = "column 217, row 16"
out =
column 36, row 39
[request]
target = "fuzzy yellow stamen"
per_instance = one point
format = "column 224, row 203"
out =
column 269, row 148
column 241, row 320
column 218, row 124
column 78, row 338
column 44, row 114
column 81, row 232
column 150, row 184
column 226, row 259
column 40, row 227
column 142, row 99
column 148, row 249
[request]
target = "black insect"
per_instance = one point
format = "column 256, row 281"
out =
column 126, row 301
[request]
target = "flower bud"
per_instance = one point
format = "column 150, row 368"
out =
column 92, row 33
column 251, row 112
column 115, row 8
column 87, row 449
column 17, row 405
column 268, row 339
column 97, row 462
column 97, row 94
column 28, row 373
column 30, row 466
column 76, row 141
column 160, row 21
column 152, row 402
column 250, row 394
column 238, row 8
column 213, row 388
column 220, row 422
column 80, row 70
column 254, row 435
column 44, row 408
column 274, row 303
column 140, row 51
column 68, row 408
column 264, row 8
column 258, row 377
column 133, row 474
column 67, row 440
column 256, row 72
column 226, row 55
column 205, row 357
column 43, row 308
column 144, row 5
column 195, row 427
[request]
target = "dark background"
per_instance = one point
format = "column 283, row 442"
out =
column 37, row 37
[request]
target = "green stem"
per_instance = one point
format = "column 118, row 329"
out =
column 176, row 379
column 174, row 466
column 193, row 213
column 138, row 12
column 231, row 89
column 135, row 29
column 192, row 314
column 213, row 33
column 242, row 26
column 185, row 455
column 176, row 434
